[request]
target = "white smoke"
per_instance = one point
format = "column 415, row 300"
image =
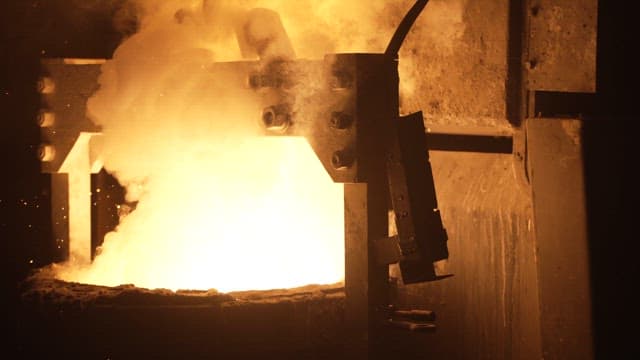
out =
column 219, row 206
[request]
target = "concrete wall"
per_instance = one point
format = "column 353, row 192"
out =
column 453, row 65
column 489, row 308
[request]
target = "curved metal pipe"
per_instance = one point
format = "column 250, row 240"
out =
column 404, row 27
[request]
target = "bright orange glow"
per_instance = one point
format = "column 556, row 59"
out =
column 220, row 206
column 263, row 214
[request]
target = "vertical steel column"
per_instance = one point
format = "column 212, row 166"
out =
column 559, row 205
column 365, row 280
column 367, row 199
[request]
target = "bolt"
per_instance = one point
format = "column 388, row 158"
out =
column 276, row 117
column 46, row 152
column 341, row 120
column 46, row 118
column 46, row 85
column 341, row 159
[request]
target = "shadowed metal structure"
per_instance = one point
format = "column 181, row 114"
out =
column 510, row 193
column 351, row 122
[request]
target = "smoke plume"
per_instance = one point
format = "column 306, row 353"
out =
column 219, row 205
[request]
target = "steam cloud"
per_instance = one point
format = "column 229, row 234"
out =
column 186, row 146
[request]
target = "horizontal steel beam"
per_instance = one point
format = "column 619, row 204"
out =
column 469, row 139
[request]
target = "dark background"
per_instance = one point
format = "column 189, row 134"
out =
column 35, row 29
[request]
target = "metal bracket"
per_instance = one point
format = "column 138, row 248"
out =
column 412, row 319
column 422, row 238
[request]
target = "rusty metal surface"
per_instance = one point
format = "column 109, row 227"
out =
column 562, row 45
column 556, row 166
